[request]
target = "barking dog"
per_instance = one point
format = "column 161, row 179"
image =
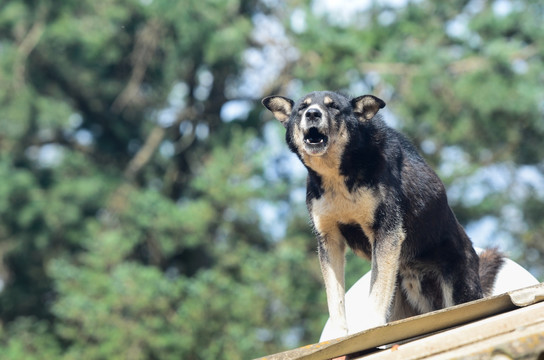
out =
column 368, row 187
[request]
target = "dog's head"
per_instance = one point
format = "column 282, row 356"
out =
column 316, row 121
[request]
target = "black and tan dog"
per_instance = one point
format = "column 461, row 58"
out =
column 368, row 188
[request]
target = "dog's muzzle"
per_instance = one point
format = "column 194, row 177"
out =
column 315, row 129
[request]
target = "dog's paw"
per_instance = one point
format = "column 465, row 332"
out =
column 336, row 331
column 373, row 320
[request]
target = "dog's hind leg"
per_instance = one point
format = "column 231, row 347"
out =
column 331, row 249
column 401, row 307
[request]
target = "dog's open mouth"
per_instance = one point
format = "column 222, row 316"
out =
column 315, row 141
column 314, row 137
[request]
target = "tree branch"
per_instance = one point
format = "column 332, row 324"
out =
column 144, row 49
column 143, row 156
column 24, row 49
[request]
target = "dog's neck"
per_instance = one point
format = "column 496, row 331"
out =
column 327, row 167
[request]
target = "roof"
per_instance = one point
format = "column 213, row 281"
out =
column 509, row 325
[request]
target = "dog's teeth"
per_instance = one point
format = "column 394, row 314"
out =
column 314, row 141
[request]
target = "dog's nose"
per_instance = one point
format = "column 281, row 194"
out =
column 313, row 114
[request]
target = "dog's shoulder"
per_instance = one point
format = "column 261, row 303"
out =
column 378, row 154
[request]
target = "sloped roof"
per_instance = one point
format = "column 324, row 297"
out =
column 509, row 325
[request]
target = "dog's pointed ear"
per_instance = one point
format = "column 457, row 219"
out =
column 367, row 106
column 280, row 106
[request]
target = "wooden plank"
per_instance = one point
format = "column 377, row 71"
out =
column 523, row 343
column 470, row 338
column 415, row 326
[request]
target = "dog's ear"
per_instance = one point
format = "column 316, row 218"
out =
column 280, row 106
column 367, row 106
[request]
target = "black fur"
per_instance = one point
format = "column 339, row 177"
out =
column 356, row 238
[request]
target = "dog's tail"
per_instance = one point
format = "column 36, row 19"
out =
column 491, row 260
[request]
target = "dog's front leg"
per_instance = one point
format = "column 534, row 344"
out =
column 386, row 252
column 332, row 260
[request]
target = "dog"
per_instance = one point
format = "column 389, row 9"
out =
column 368, row 188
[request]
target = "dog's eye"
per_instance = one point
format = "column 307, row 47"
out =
column 302, row 106
column 333, row 105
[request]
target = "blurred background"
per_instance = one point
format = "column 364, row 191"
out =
column 149, row 208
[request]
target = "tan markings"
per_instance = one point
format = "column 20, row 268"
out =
column 307, row 101
column 328, row 100
column 298, row 138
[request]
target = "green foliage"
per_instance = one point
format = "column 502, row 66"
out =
column 28, row 338
column 136, row 222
